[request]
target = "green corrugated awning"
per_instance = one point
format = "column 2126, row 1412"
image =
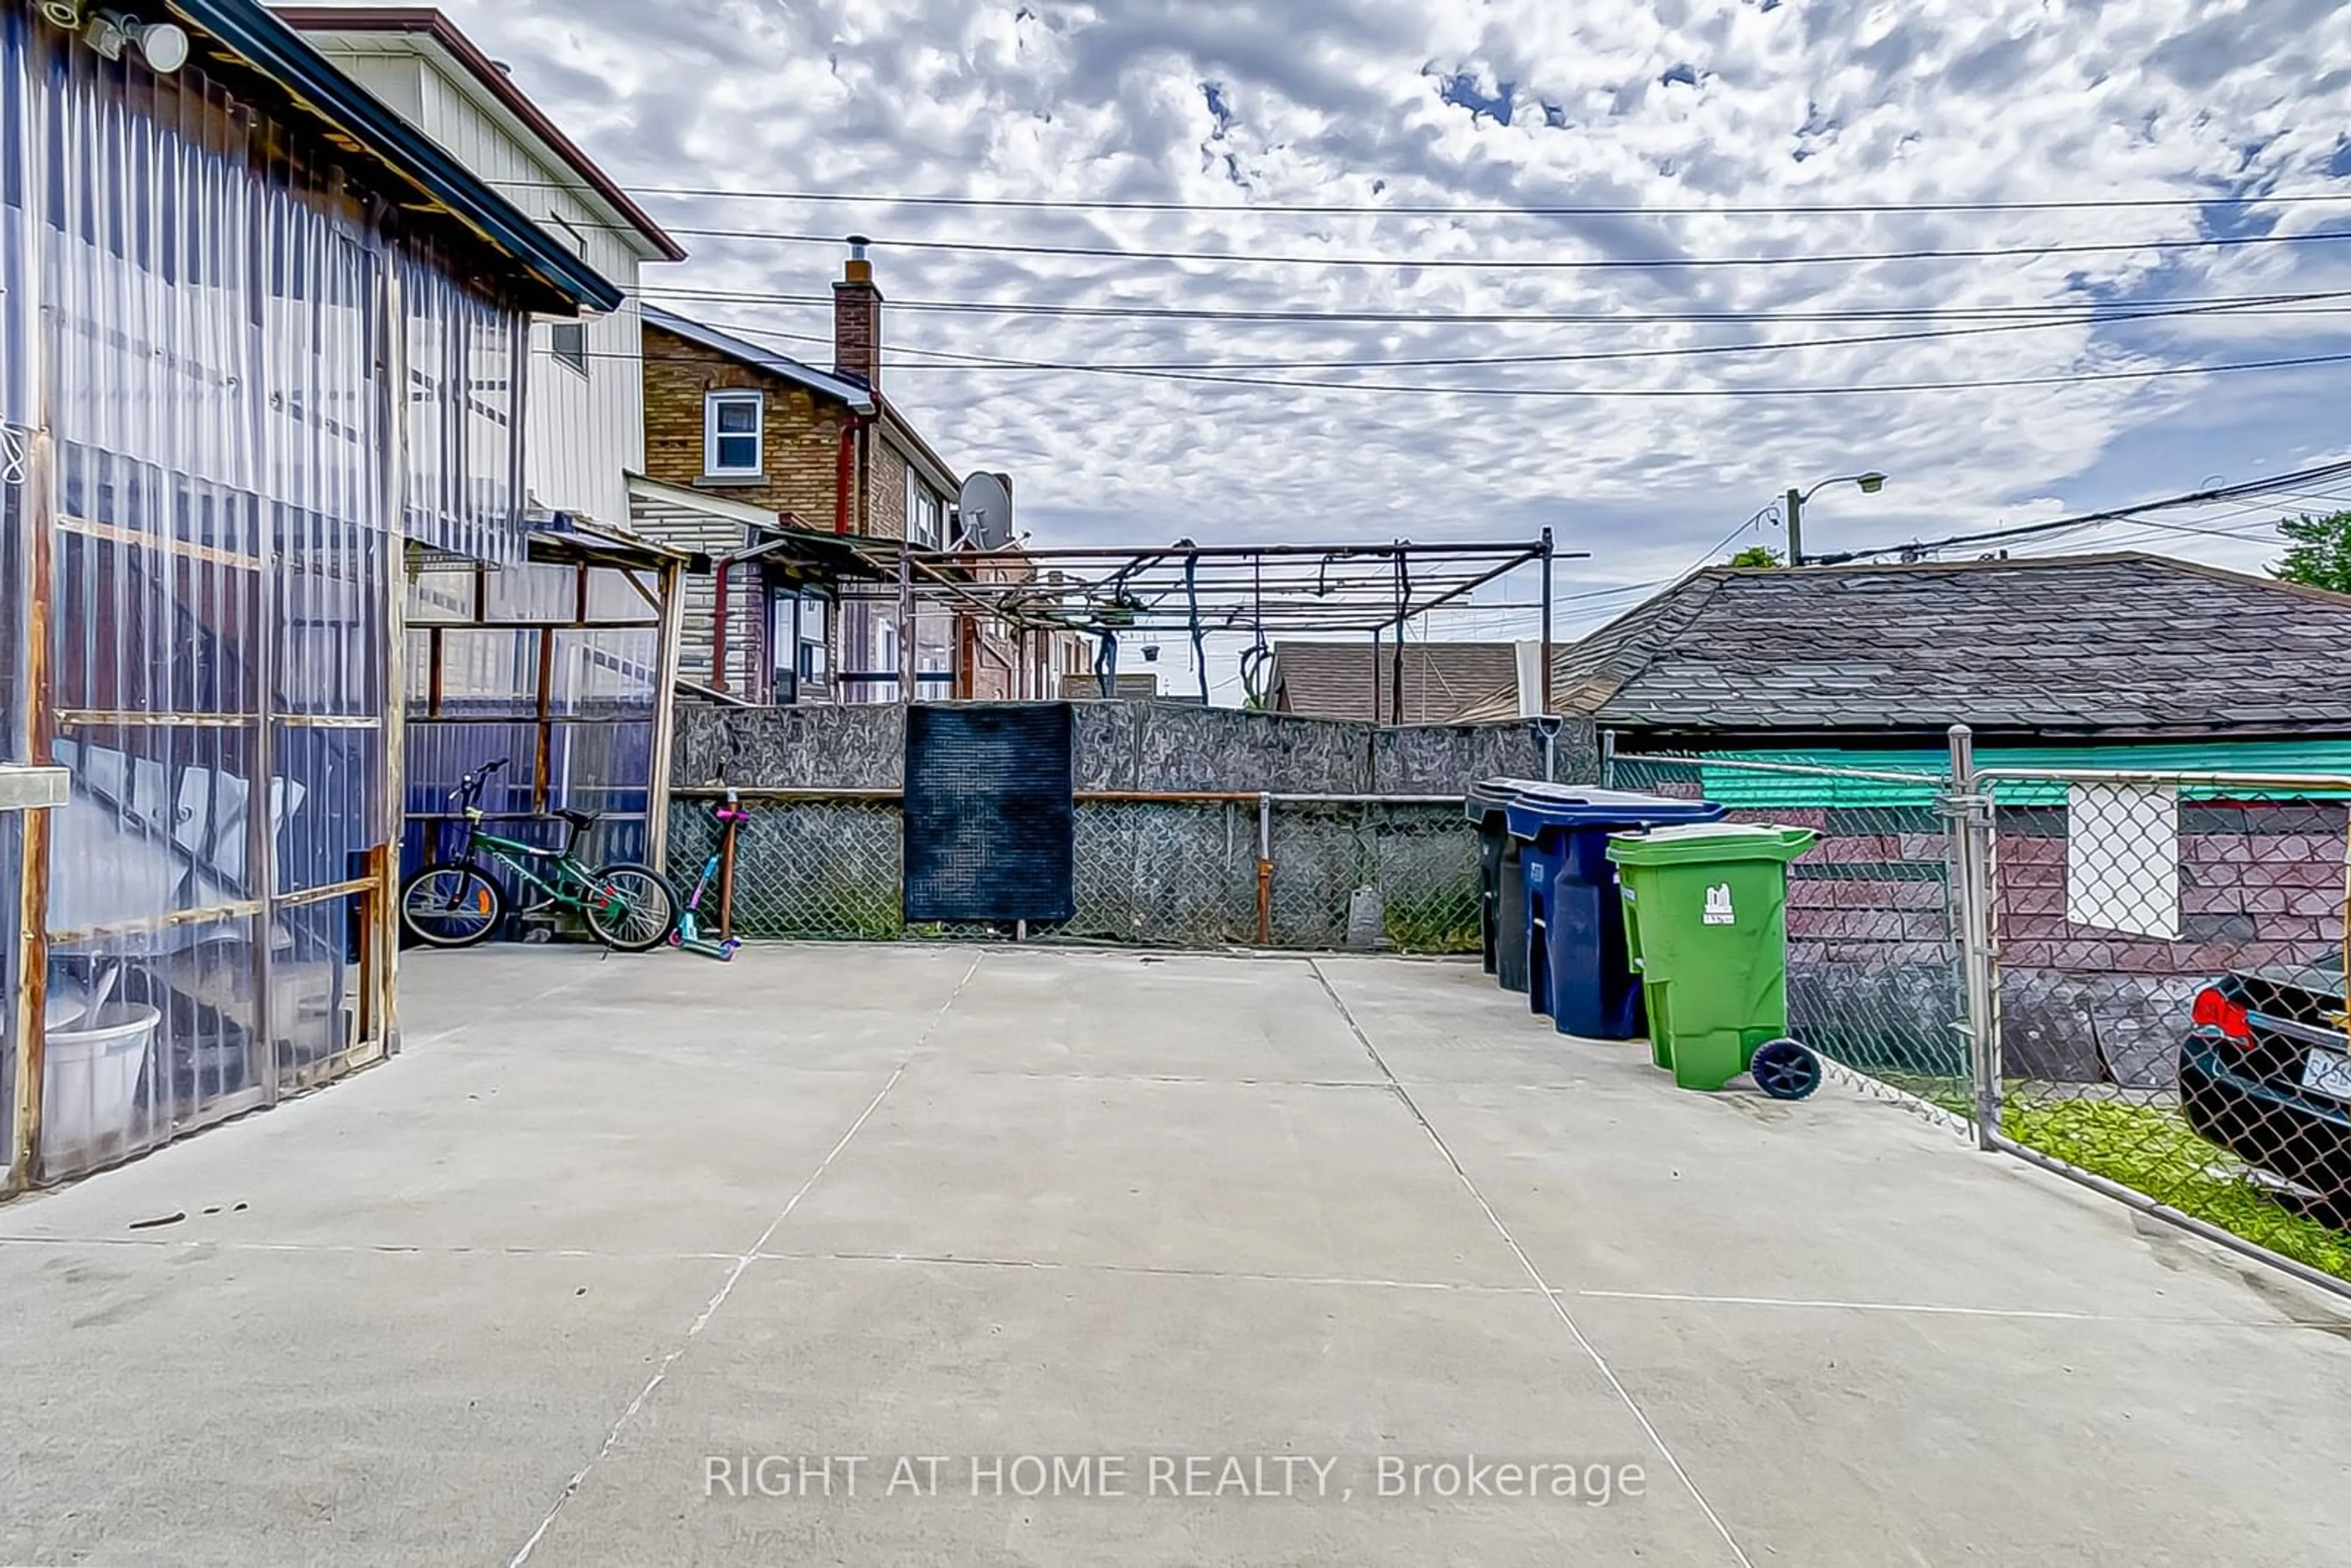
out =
column 1754, row 789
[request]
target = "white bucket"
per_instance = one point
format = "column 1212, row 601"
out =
column 90, row 1077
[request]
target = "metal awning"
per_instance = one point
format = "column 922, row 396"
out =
column 825, row 556
column 564, row 540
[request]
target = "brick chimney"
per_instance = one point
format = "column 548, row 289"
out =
column 857, row 318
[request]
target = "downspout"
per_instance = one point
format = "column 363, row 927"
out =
column 843, row 474
column 718, row 624
column 850, row 473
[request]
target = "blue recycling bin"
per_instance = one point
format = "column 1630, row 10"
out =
column 1578, row 970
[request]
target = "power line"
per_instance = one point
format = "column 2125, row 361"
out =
column 1704, row 557
column 1533, row 264
column 946, row 359
column 1487, row 318
column 2300, row 478
column 2083, row 377
column 1402, row 209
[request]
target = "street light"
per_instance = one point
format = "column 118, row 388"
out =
column 1871, row 484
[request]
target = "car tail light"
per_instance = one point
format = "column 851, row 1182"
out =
column 2214, row 1010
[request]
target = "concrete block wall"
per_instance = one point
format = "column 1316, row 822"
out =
column 2260, row 884
column 1126, row 746
column 1173, row 873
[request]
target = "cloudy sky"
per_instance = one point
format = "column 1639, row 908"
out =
column 1641, row 438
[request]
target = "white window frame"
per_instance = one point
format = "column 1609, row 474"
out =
column 711, row 403
column 925, row 514
column 575, row 357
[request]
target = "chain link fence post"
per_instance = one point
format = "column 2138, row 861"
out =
column 1969, row 813
column 1265, row 870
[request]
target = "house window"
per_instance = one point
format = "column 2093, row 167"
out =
column 571, row 345
column 731, row 442
column 571, row 338
column 798, row 634
column 922, row 515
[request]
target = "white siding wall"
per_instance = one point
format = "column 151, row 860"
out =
column 584, row 432
column 398, row 79
column 685, row 525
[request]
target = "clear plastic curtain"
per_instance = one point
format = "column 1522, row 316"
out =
column 248, row 364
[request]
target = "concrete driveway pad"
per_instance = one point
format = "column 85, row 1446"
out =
column 944, row 1255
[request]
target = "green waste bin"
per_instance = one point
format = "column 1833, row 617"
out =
column 1706, row 922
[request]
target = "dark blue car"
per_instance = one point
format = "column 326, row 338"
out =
column 2265, row 1071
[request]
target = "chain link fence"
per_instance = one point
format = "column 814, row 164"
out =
column 1875, row 978
column 2169, row 993
column 811, row 867
column 2156, row 971
column 1396, row 874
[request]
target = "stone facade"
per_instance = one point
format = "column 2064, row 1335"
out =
column 1129, row 746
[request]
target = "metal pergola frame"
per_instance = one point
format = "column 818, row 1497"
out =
column 1258, row 590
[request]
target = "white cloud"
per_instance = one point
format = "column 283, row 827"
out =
column 1830, row 101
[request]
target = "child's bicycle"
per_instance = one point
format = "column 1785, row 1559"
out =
column 456, row 904
column 689, row 935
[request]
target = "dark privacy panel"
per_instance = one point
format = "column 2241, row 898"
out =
column 990, row 825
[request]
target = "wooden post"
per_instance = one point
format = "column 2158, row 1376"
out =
column 1402, row 607
column 542, row 794
column 32, row 898
column 727, row 882
column 384, row 916
column 666, row 670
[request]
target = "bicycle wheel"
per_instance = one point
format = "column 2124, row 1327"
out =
column 632, row 909
column 450, row 906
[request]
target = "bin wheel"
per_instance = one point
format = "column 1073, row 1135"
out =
column 1785, row 1069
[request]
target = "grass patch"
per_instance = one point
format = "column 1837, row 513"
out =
column 1445, row 921
column 1432, row 931
column 2152, row 1150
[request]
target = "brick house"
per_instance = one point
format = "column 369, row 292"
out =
column 781, row 471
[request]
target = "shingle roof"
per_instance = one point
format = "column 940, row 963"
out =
column 1334, row 680
column 2116, row 644
column 852, row 392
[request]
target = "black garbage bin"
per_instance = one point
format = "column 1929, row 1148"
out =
column 1501, row 873
column 1498, row 872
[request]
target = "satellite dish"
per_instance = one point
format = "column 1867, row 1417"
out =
column 987, row 507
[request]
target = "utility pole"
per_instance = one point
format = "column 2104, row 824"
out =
column 1871, row 484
